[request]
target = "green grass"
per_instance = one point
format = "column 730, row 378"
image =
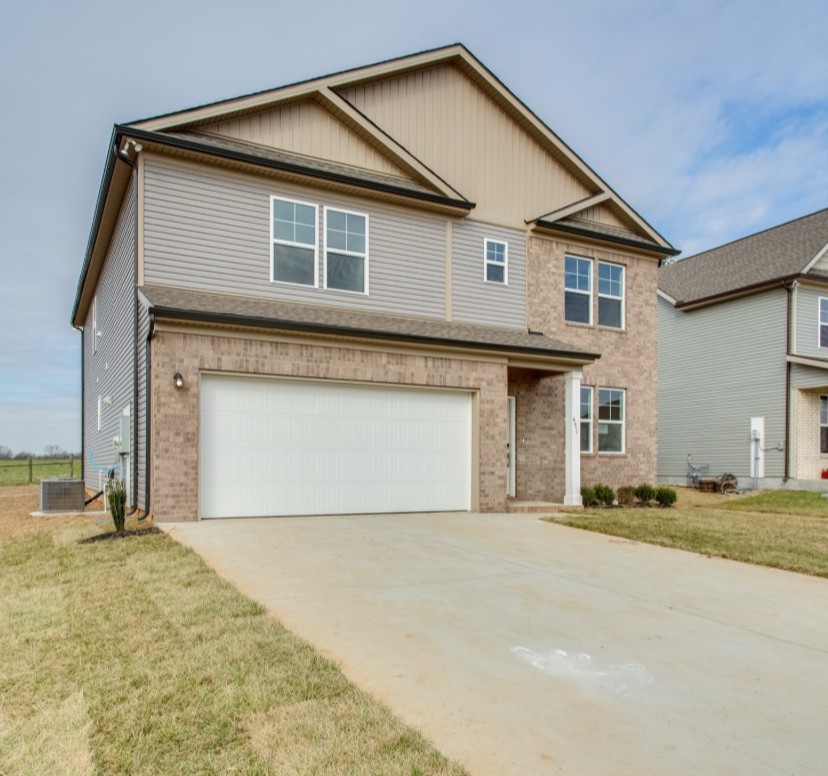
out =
column 785, row 529
column 17, row 472
column 131, row 656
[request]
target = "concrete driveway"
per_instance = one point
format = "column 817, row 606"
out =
column 520, row 647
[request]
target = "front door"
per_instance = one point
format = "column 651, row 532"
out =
column 510, row 447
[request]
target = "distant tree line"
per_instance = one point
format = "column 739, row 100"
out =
column 50, row 452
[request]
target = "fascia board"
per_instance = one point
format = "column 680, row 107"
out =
column 337, row 104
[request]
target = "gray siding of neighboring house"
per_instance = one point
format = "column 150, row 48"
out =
column 210, row 230
column 718, row 367
column 477, row 301
column 807, row 322
column 109, row 369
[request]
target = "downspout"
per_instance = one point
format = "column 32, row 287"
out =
column 133, row 415
column 789, row 287
column 148, row 411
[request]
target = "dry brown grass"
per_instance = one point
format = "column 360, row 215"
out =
column 134, row 657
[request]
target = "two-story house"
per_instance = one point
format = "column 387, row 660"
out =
column 743, row 358
column 391, row 289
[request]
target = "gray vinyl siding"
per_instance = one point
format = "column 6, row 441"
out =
column 807, row 322
column 110, row 370
column 807, row 377
column 141, row 414
column 473, row 299
column 718, row 367
column 210, row 230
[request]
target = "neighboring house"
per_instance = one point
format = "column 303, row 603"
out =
column 383, row 290
column 743, row 358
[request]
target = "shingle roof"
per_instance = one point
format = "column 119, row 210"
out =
column 183, row 304
column 774, row 254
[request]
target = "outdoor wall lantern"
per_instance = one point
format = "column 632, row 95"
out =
column 178, row 379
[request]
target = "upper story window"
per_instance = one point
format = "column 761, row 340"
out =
column 823, row 424
column 610, row 420
column 346, row 251
column 578, row 293
column 610, row 295
column 586, row 419
column 823, row 322
column 294, row 242
column 496, row 261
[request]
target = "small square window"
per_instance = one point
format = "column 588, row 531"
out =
column 496, row 255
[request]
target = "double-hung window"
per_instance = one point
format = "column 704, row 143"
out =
column 346, row 251
column 823, row 322
column 610, row 420
column 496, row 264
column 823, row 424
column 578, row 290
column 294, row 242
column 610, row 295
column 586, row 419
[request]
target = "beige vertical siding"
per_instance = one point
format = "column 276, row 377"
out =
column 476, row 301
column 306, row 128
column 210, row 230
column 454, row 128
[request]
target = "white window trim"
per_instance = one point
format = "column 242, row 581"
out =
column 822, row 425
column 275, row 241
column 622, row 298
column 591, row 421
column 505, row 264
column 622, row 422
column 364, row 256
column 820, row 323
column 576, row 291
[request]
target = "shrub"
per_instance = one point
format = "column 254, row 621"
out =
column 665, row 497
column 588, row 496
column 645, row 493
column 605, row 494
column 117, row 503
column 626, row 495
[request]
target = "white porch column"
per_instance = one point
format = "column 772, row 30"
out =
column 572, row 439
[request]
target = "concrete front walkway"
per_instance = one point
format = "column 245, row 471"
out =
column 520, row 647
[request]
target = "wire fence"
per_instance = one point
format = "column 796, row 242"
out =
column 29, row 470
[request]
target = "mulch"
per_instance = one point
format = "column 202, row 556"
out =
column 121, row 535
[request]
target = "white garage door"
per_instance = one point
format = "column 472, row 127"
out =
column 283, row 447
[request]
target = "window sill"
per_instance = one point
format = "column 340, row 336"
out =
column 293, row 285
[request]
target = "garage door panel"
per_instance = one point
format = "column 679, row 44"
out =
column 282, row 447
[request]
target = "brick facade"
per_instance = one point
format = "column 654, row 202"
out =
column 175, row 412
column 628, row 359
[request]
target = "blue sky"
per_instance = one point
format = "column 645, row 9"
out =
column 709, row 117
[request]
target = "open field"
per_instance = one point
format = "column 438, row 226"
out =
column 131, row 656
column 17, row 472
column 783, row 529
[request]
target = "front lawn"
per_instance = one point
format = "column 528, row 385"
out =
column 132, row 656
column 783, row 529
